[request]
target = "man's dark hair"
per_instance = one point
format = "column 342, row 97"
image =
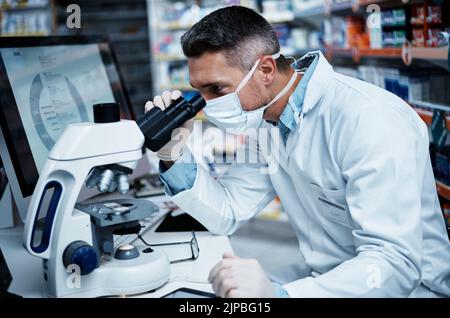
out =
column 241, row 33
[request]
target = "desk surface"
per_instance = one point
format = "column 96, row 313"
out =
column 27, row 269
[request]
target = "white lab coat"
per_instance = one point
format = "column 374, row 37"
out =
column 356, row 182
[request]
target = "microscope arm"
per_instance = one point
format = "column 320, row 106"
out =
column 80, row 148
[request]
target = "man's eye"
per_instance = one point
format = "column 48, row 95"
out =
column 216, row 89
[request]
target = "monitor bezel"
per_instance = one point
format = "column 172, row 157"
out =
column 21, row 189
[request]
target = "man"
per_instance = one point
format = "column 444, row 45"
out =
column 354, row 174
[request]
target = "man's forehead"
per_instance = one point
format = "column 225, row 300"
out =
column 209, row 68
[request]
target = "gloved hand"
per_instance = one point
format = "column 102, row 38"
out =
column 174, row 148
column 235, row 277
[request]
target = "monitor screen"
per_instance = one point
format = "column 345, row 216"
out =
column 45, row 85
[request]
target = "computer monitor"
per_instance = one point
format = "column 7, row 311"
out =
column 47, row 83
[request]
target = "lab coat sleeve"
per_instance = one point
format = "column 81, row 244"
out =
column 223, row 204
column 383, row 155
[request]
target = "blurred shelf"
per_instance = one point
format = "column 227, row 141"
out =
column 367, row 2
column 169, row 57
column 340, row 6
column 325, row 9
column 443, row 190
column 287, row 50
column 173, row 26
column 312, row 12
column 405, row 55
column 125, row 24
column 385, row 52
column 283, row 17
column 430, row 53
column 120, row 15
column 24, row 19
column 128, row 37
column 177, row 26
column 104, row 2
column 133, row 58
column 427, row 116
column 431, row 105
column 23, row 7
column 26, row 34
column 144, row 78
column 340, row 52
column 181, row 87
column 280, row 17
column 366, row 52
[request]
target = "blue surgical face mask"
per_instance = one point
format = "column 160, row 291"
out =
column 226, row 111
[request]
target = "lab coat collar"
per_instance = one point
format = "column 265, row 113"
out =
column 318, row 82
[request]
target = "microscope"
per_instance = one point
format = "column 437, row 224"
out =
column 75, row 240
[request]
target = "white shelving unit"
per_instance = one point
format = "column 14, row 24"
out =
column 169, row 20
column 125, row 23
column 27, row 18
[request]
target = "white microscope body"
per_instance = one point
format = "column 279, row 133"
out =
column 72, row 235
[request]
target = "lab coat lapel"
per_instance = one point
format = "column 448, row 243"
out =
column 315, row 89
column 317, row 84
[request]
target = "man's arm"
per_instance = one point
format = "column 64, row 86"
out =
column 180, row 176
column 222, row 204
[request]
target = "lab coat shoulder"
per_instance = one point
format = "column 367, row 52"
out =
column 353, row 97
column 376, row 115
column 380, row 146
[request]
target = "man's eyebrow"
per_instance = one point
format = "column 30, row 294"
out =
column 206, row 85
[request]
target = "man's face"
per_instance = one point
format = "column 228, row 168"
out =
column 213, row 76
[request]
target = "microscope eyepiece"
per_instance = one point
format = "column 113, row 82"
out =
column 157, row 125
column 106, row 113
column 197, row 103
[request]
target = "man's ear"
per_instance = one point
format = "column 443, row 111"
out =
column 268, row 68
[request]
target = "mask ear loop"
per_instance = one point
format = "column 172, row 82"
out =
column 279, row 95
column 250, row 73
column 301, row 72
column 247, row 77
column 284, row 90
column 294, row 60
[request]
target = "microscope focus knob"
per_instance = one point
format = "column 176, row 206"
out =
column 81, row 254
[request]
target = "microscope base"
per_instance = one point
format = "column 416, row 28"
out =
column 116, row 277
